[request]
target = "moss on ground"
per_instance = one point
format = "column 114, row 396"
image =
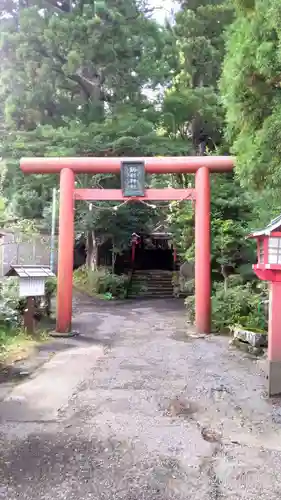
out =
column 16, row 345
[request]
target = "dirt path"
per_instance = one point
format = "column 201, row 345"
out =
column 156, row 416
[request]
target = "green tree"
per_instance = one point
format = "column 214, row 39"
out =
column 192, row 107
column 79, row 72
column 193, row 112
column 231, row 209
column 79, row 64
column 251, row 93
column 231, row 214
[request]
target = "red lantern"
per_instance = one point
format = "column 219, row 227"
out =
column 268, row 268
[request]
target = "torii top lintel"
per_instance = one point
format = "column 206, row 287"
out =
column 153, row 165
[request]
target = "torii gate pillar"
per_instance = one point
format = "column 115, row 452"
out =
column 65, row 251
column 203, row 251
column 68, row 167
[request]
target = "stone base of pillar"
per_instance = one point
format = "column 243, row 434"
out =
column 274, row 378
column 63, row 335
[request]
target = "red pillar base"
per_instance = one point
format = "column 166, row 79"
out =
column 274, row 340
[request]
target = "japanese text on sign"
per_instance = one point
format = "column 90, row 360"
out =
column 132, row 177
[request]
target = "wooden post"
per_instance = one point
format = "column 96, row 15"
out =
column 29, row 315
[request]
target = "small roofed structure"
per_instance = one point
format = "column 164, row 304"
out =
column 268, row 249
column 161, row 231
column 31, row 284
column 30, row 271
column 32, row 279
column 274, row 225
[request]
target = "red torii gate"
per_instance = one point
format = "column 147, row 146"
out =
column 68, row 167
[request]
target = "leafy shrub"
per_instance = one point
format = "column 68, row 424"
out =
column 240, row 305
column 113, row 283
column 9, row 317
column 190, row 305
column 9, row 293
column 51, row 287
column 9, row 304
column 50, row 291
column 101, row 282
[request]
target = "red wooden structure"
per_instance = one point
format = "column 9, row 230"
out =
column 68, row 167
column 268, row 268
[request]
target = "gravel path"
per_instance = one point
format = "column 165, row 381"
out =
column 157, row 415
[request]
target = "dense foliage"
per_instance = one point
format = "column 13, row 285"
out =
column 242, row 305
column 101, row 282
column 251, row 92
column 193, row 106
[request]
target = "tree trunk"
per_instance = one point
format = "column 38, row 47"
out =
column 92, row 251
column 113, row 260
column 225, row 277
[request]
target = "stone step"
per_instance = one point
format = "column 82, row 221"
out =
column 153, row 285
column 138, row 278
column 153, row 282
column 162, row 276
column 158, row 282
column 150, row 295
column 153, row 276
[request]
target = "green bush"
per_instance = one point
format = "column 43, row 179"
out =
column 51, row 287
column 101, row 282
column 50, row 292
column 240, row 305
column 190, row 306
column 9, row 304
column 9, row 317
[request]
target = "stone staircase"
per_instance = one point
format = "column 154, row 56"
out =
column 154, row 283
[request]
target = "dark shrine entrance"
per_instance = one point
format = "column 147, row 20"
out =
column 159, row 258
column 148, row 251
column 133, row 172
column 155, row 250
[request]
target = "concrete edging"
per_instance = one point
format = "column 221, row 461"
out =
column 249, row 337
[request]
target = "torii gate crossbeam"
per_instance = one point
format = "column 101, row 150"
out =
column 68, row 167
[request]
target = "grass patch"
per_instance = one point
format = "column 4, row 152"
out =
column 16, row 345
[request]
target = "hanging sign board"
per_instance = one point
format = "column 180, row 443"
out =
column 133, row 178
column 32, row 287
